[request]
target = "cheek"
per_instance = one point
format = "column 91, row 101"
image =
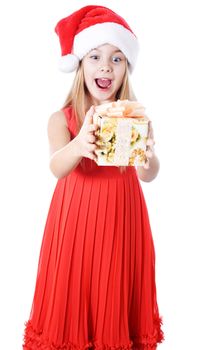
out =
column 120, row 74
column 87, row 78
column 88, row 67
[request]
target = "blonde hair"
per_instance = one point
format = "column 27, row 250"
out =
column 80, row 100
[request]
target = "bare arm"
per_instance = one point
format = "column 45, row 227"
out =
column 66, row 154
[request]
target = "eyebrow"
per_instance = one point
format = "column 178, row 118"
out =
column 112, row 52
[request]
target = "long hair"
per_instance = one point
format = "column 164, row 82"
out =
column 80, row 101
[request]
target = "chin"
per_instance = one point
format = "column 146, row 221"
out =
column 104, row 97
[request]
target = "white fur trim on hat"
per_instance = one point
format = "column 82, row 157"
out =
column 103, row 33
column 97, row 35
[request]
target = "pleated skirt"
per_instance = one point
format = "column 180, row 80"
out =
column 96, row 283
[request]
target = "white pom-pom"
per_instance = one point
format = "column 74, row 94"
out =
column 68, row 63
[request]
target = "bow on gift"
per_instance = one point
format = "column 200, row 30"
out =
column 121, row 108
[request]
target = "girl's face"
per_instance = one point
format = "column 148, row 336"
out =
column 104, row 69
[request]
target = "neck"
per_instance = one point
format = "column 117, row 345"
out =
column 95, row 102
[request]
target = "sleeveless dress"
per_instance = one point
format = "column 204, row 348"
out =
column 95, row 285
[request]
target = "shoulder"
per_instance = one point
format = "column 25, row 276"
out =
column 57, row 130
column 57, row 126
column 57, row 118
column 61, row 118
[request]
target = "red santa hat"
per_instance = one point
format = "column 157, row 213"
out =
column 90, row 27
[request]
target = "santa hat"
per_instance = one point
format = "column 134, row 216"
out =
column 90, row 27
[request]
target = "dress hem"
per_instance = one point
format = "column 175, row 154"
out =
column 34, row 340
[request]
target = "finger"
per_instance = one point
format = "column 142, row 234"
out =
column 89, row 116
column 90, row 155
column 146, row 165
column 94, row 156
column 97, row 130
column 96, row 126
column 92, row 127
column 150, row 130
column 151, row 148
column 150, row 142
column 149, row 153
column 92, row 147
column 91, row 138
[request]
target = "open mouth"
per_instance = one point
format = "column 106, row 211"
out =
column 103, row 83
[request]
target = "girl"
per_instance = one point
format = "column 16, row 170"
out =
column 95, row 285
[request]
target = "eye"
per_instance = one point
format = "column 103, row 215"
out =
column 94, row 57
column 116, row 59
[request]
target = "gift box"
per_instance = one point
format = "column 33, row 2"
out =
column 121, row 138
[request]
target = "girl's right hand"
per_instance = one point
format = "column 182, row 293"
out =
column 86, row 139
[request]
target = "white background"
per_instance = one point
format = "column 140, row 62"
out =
column 170, row 81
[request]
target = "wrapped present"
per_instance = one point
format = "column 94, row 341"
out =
column 122, row 133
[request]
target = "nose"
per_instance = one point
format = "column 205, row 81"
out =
column 105, row 69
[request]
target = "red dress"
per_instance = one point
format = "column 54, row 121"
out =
column 95, row 285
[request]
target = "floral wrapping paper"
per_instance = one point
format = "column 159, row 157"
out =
column 121, row 140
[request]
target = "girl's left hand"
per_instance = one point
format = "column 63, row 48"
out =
column 150, row 146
